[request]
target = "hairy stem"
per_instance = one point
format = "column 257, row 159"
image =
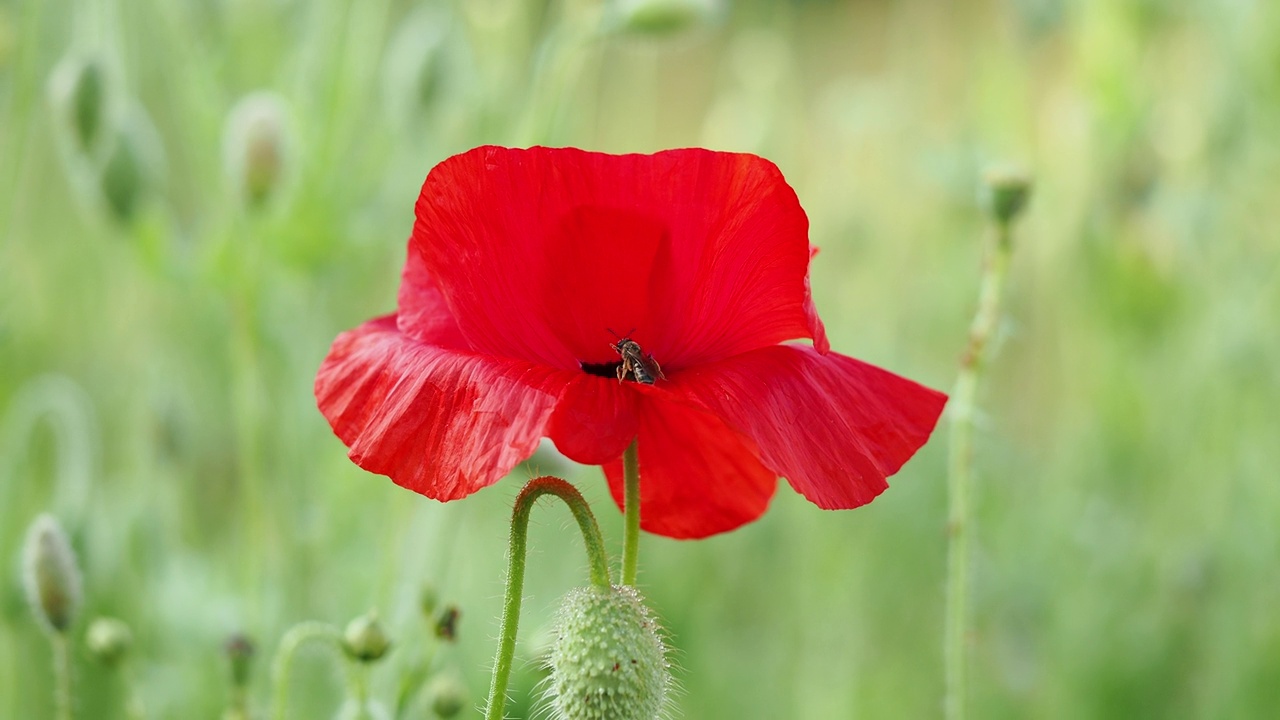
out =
column 631, row 506
column 293, row 639
column 516, row 552
column 960, row 469
column 62, row 676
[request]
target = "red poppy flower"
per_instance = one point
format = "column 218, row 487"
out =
column 522, row 266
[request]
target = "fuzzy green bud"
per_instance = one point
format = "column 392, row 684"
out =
column 240, row 651
column 608, row 661
column 78, row 89
column 132, row 167
column 364, row 640
column 256, row 147
column 108, row 640
column 1007, row 190
column 51, row 575
column 447, row 695
column 661, row 18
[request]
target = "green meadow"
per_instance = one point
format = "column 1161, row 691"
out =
column 164, row 308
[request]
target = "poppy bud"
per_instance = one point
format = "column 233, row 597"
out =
column 448, row 696
column 1007, row 189
column 447, row 623
column 51, row 575
column 663, row 17
column 240, row 650
column 78, row 90
column 108, row 640
column 132, row 166
column 256, row 146
column 364, row 639
column 608, row 660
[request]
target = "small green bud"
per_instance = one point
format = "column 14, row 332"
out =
column 448, row 696
column 608, row 660
column 240, row 650
column 51, row 575
column 364, row 639
column 256, row 147
column 447, row 623
column 79, row 93
column 108, row 640
column 663, row 17
column 1007, row 190
column 132, row 166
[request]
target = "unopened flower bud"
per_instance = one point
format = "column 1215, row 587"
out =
column 51, row 575
column 608, row 660
column 447, row 623
column 108, row 640
column 447, row 695
column 256, row 146
column 132, row 166
column 78, row 91
column 364, row 639
column 240, row 650
column 663, row 17
column 1007, row 190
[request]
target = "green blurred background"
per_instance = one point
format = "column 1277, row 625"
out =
column 163, row 309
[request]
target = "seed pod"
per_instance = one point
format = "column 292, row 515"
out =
column 608, row 661
column 108, row 640
column 364, row 639
column 51, row 575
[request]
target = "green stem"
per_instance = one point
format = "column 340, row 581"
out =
column 960, row 469
column 293, row 639
column 631, row 506
column 62, row 676
column 596, row 555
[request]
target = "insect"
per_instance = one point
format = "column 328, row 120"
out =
column 636, row 363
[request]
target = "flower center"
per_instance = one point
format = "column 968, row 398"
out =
column 608, row 370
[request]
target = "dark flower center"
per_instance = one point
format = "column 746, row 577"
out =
column 608, row 370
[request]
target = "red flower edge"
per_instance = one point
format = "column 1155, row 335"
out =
column 523, row 267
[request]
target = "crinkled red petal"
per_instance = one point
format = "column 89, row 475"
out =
column 544, row 254
column 834, row 426
column 698, row 477
column 440, row 422
column 595, row 419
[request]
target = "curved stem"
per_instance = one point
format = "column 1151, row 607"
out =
column 596, row 555
column 62, row 676
column 960, row 469
column 289, row 644
column 631, row 506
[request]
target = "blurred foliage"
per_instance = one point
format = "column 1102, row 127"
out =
column 159, row 336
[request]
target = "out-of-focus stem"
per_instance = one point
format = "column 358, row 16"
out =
column 62, row 676
column 631, row 506
column 596, row 555
column 293, row 639
column 960, row 468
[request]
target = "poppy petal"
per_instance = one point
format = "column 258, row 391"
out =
column 834, row 426
column 541, row 253
column 423, row 313
column 698, row 477
column 436, row 421
column 594, row 420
